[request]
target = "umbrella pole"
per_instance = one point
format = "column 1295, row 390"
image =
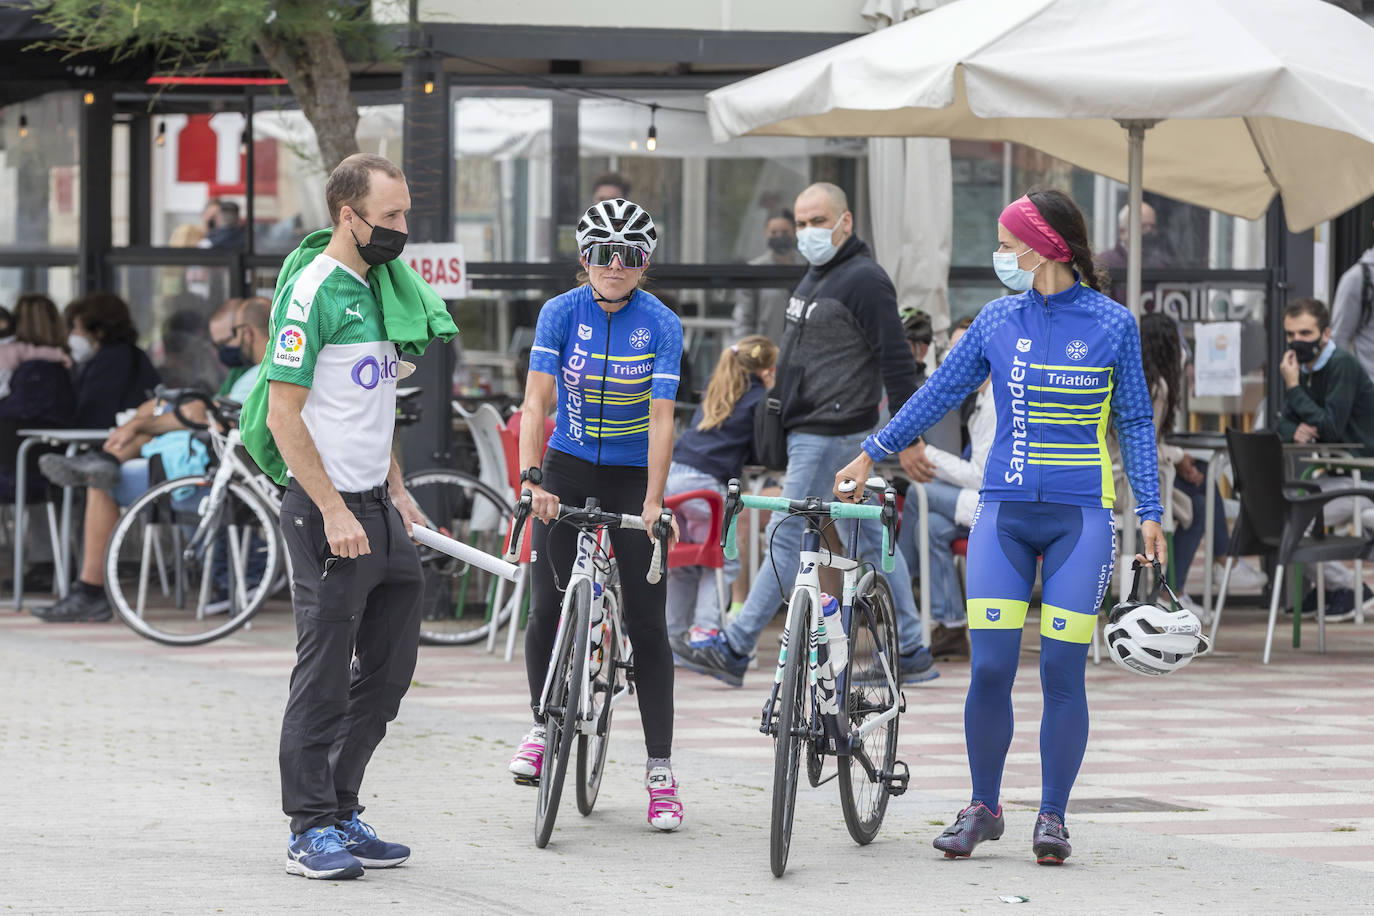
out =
column 1136, row 133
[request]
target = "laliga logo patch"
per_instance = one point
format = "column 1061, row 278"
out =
column 639, row 338
column 994, row 614
column 290, row 344
column 1059, row 623
column 1023, row 344
column 584, row 332
column 1076, row 349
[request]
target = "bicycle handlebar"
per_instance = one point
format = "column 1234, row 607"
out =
column 814, row 507
column 591, row 516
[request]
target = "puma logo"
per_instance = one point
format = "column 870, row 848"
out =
column 353, row 310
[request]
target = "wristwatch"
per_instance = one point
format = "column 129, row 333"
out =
column 533, row 475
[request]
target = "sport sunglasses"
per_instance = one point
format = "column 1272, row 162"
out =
column 631, row 258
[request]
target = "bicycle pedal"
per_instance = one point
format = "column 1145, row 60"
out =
column 896, row 781
column 527, row 781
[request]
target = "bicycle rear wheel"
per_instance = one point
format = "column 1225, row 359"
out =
column 872, row 641
column 605, row 681
column 180, row 589
column 792, row 726
column 569, row 661
column 458, row 598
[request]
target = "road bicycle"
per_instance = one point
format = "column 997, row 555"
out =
column 847, row 701
column 591, row 668
column 194, row 558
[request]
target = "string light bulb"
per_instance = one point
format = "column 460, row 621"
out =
column 23, row 126
column 429, row 86
column 651, row 144
column 89, row 98
column 161, row 133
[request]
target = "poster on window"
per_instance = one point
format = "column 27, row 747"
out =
column 1216, row 359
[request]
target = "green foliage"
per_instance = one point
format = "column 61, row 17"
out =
column 194, row 34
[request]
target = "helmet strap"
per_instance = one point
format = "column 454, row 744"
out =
column 600, row 298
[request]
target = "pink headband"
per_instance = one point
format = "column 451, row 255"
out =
column 1025, row 222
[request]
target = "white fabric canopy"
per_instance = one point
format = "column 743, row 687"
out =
column 1253, row 97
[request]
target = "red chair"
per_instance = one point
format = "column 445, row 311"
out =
column 510, row 442
column 708, row 552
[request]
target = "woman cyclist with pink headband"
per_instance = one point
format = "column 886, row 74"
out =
column 1064, row 359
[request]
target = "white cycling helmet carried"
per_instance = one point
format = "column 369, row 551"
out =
column 1145, row 638
column 617, row 222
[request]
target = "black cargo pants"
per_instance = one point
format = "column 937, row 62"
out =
column 368, row 608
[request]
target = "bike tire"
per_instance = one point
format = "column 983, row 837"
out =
column 591, row 748
column 166, row 621
column 561, row 720
column 457, row 597
column 863, row 798
column 787, row 745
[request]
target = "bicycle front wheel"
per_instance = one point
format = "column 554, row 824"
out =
column 872, row 658
column 569, row 663
column 604, row 667
column 792, row 728
column 183, row 578
column 459, row 599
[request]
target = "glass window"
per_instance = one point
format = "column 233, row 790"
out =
column 503, row 177
column 288, row 177
column 57, row 283
column 711, row 201
column 171, row 306
column 40, row 175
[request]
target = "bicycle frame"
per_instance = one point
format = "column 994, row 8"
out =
column 584, row 569
column 829, row 691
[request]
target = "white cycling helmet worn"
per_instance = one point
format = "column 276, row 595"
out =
column 1147, row 639
column 617, row 221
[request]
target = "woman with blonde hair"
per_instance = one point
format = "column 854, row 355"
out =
column 716, row 447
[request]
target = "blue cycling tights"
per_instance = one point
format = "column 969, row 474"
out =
column 1078, row 547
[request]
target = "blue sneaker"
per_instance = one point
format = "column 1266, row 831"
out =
column 320, row 853
column 361, row 840
column 713, row 657
column 917, row 667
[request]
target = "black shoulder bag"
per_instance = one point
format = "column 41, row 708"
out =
column 770, row 437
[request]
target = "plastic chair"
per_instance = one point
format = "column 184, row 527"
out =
column 1273, row 521
column 707, row 553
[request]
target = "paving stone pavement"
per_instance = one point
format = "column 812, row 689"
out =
column 142, row 779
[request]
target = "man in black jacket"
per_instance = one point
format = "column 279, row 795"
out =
column 843, row 345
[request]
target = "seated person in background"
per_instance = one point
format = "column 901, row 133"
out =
column 919, row 334
column 112, row 373
column 609, row 186
column 118, row 474
column 185, row 356
column 715, row 448
column 952, row 494
column 1328, row 397
column 39, row 389
column 17, row 347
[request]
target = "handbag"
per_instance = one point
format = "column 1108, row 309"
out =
column 770, row 436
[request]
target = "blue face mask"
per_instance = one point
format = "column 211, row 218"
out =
column 1009, row 271
column 815, row 245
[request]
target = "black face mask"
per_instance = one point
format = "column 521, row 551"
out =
column 782, row 244
column 385, row 244
column 231, row 356
column 1306, row 350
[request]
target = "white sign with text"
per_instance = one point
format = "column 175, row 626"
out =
column 441, row 265
column 1216, row 359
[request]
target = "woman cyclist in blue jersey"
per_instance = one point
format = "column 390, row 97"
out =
column 605, row 358
column 1063, row 359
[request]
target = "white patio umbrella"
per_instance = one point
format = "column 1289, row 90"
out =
column 1242, row 99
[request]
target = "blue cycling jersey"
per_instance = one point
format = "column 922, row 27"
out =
column 608, row 365
column 1060, row 365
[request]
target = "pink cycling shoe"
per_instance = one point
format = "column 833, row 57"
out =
column 528, row 761
column 665, row 808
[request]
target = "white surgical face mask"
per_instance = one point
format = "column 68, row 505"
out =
column 1009, row 270
column 81, row 347
column 815, row 245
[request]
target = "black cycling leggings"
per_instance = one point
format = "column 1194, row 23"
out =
column 617, row 489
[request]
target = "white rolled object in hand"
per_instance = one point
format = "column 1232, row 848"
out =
column 460, row 551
